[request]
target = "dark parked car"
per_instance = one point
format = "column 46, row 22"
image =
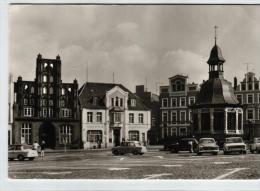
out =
column 183, row 144
column 129, row 147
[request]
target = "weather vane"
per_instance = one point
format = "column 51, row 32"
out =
column 215, row 33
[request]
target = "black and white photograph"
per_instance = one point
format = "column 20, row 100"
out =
column 133, row 92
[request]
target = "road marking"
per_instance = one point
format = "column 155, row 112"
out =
column 118, row 168
column 234, row 170
column 122, row 158
column 152, row 176
column 172, row 165
column 221, row 162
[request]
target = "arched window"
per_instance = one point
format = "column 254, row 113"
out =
column 63, row 91
column 44, row 90
column 44, row 78
column 51, row 65
column 45, row 65
column 51, row 78
column 51, row 90
column 32, row 90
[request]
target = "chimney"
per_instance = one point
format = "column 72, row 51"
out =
column 139, row 89
column 235, row 83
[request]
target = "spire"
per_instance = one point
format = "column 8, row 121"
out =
column 215, row 27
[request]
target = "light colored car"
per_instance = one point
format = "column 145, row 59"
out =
column 21, row 152
column 207, row 145
column 133, row 147
column 255, row 145
column 234, row 144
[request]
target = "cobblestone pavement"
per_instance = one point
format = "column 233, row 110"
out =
column 152, row 165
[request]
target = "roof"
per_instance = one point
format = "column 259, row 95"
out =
column 216, row 56
column 92, row 90
column 216, row 91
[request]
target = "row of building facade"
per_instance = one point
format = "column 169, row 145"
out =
column 99, row 115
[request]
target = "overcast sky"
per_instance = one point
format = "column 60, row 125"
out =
column 135, row 42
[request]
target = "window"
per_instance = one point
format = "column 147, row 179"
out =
column 45, row 64
column 66, row 112
column 44, row 78
column 240, row 98
column 26, row 133
column 183, row 102
column 65, row 134
column 117, row 101
column 26, row 87
column 62, row 103
column 133, row 135
column 50, row 112
column 89, row 117
column 250, row 98
column 243, row 87
column 133, row 102
column 131, row 118
column 258, row 98
column 43, row 102
column 191, row 100
column 179, row 86
column 174, row 117
column 99, row 117
column 44, row 112
column 50, row 102
column 51, row 90
column 250, row 86
column 117, row 117
column 174, row 102
column 51, row 78
column 256, row 86
column 164, row 117
column 164, row 102
column 95, row 100
column 44, row 90
column 250, row 114
column 141, row 118
column 183, row 131
column 173, row 131
column 190, row 115
column 112, row 101
column 94, row 136
column 63, row 91
column 183, row 117
column 25, row 101
column 28, row 112
column 121, row 102
column 51, row 65
column 31, row 101
column 153, row 121
column 32, row 90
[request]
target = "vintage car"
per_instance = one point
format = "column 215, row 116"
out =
column 254, row 146
column 234, row 144
column 21, row 152
column 133, row 147
column 207, row 145
column 184, row 144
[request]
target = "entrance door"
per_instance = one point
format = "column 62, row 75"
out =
column 47, row 133
column 117, row 137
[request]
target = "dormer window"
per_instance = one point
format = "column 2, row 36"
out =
column 133, row 102
column 117, row 101
column 95, row 100
column 112, row 101
column 121, row 102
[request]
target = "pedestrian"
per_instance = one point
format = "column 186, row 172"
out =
column 42, row 148
column 191, row 146
column 36, row 146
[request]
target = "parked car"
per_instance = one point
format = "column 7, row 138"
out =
column 234, row 144
column 254, row 146
column 184, row 144
column 21, row 152
column 207, row 145
column 133, row 147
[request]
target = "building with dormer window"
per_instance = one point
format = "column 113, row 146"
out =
column 248, row 95
column 175, row 102
column 46, row 109
column 110, row 114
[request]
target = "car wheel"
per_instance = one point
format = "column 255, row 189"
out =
column 199, row 154
column 252, row 151
column 20, row 157
column 135, row 152
column 243, row 152
column 141, row 153
column 11, row 159
column 31, row 158
column 115, row 152
column 225, row 153
column 215, row 153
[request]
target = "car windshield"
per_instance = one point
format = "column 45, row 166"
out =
column 234, row 140
column 205, row 141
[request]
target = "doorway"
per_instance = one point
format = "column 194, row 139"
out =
column 116, row 137
column 48, row 134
